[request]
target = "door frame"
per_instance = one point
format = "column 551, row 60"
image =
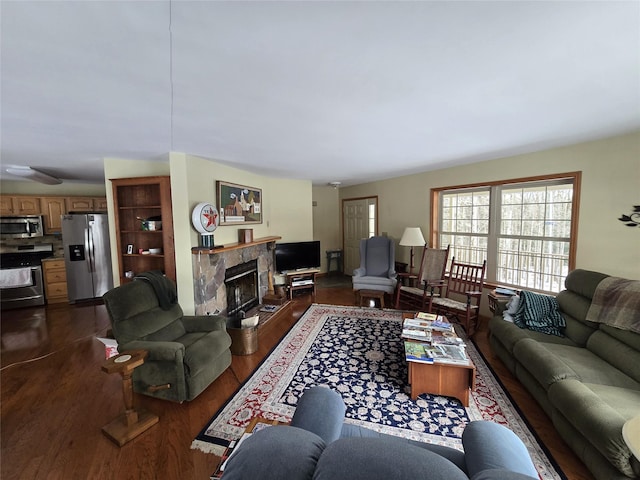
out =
column 342, row 220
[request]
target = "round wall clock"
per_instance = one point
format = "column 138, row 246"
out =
column 205, row 218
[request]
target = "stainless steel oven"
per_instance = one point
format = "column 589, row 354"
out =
column 21, row 280
column 24, row 226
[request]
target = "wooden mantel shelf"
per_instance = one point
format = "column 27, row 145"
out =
column 233, row 246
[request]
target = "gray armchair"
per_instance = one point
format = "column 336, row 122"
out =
column 377, row 269
column 186, row 353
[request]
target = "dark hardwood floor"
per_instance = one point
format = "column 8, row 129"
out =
column 55, row 400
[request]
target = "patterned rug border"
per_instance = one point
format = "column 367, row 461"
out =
column 511, row 414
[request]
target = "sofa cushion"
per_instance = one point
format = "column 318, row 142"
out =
column 510, row 334
column 202, row 349
column 276, row 453
column 617, row 353
column 382, row 459
column 549, row 363
column 598, row 413
column 583, row 282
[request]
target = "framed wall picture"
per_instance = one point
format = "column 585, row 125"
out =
column 129, row 248
column 238, row 204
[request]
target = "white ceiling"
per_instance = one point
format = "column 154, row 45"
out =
column 327, row 91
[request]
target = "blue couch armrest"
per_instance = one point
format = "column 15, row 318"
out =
column 320, row 411
column 490, row 446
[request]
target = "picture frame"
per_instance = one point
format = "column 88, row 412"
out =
column 238, row 204
column 129, row 248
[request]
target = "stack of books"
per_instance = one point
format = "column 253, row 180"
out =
column 431, row 339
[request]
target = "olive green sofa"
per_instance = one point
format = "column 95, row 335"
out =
column 588, row 381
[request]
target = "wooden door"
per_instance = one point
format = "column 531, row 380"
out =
column 359, row 218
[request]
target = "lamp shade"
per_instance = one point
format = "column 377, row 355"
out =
column 412, row 237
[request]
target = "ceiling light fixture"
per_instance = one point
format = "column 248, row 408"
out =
column 33, row 174
column 335, row 184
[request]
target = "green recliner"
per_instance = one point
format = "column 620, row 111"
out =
column 186, row 353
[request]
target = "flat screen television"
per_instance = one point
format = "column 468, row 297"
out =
column 297, row 256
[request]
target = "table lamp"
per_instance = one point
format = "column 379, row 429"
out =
column 412, row 237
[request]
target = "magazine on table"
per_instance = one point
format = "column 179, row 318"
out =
column 439, row 324
column 417, row 352
column 455, row 354
column 416, row 333
column 446, row 338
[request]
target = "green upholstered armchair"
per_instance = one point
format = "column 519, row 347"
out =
column 186, row 353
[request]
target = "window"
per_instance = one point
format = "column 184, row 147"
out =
column 524, row 228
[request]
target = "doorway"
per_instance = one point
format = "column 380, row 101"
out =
column 359, row 220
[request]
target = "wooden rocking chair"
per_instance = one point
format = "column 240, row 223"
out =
column 465, row 281
column 431, row 273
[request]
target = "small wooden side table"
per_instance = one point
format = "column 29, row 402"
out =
column 362, row 295
column 132, row 422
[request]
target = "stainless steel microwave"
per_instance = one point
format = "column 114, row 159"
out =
column 24, row 226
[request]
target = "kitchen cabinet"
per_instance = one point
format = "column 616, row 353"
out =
column 135, row 200
column 55, row 280
column 52, row 209
column 86, row 204
column 19, row 205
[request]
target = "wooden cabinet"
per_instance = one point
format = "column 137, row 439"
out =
column 86, row 204
column 52, row 209
column 301, row 280
column 100, row 204
column 137, row 199
column 19, row 205
column 55, row 281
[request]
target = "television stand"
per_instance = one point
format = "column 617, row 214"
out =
column 301, row 280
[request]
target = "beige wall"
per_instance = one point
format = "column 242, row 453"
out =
column 286, row 211
column 326, row 221
column 610, row 187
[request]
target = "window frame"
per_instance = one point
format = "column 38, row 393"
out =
column 573, row 177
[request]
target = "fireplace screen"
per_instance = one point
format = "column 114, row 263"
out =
column 241, row 282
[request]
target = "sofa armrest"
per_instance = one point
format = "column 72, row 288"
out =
column 320, row 411
column 490, row 446
column 204, row 323
column 158, row 351
column 359, row 272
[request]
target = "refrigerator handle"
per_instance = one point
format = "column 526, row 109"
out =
column 90, row 253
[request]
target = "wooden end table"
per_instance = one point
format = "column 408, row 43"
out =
column 446, row 379
column 132, row 422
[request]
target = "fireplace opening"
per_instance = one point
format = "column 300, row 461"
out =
column 241, row 283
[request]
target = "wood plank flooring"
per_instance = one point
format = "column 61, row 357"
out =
column 55, row 399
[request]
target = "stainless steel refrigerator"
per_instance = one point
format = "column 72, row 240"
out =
column 87, row 255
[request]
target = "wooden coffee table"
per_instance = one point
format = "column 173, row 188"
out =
column 446, row 379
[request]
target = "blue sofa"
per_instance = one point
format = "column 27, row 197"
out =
column 319, row 445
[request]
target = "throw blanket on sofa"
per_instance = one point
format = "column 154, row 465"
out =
column 616, row 302
column 540, row 313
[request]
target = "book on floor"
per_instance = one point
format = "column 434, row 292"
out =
column 417, row 352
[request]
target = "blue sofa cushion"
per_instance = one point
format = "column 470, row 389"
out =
column 380, row 459
column 276, row 453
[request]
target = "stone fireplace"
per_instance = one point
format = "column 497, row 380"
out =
column 210, row 273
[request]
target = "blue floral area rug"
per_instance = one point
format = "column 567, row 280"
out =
column 358, row 353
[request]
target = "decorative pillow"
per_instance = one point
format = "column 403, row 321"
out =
column 540, row 313
column 512, row 307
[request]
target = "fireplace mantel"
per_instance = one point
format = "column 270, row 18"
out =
column 233, row 246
